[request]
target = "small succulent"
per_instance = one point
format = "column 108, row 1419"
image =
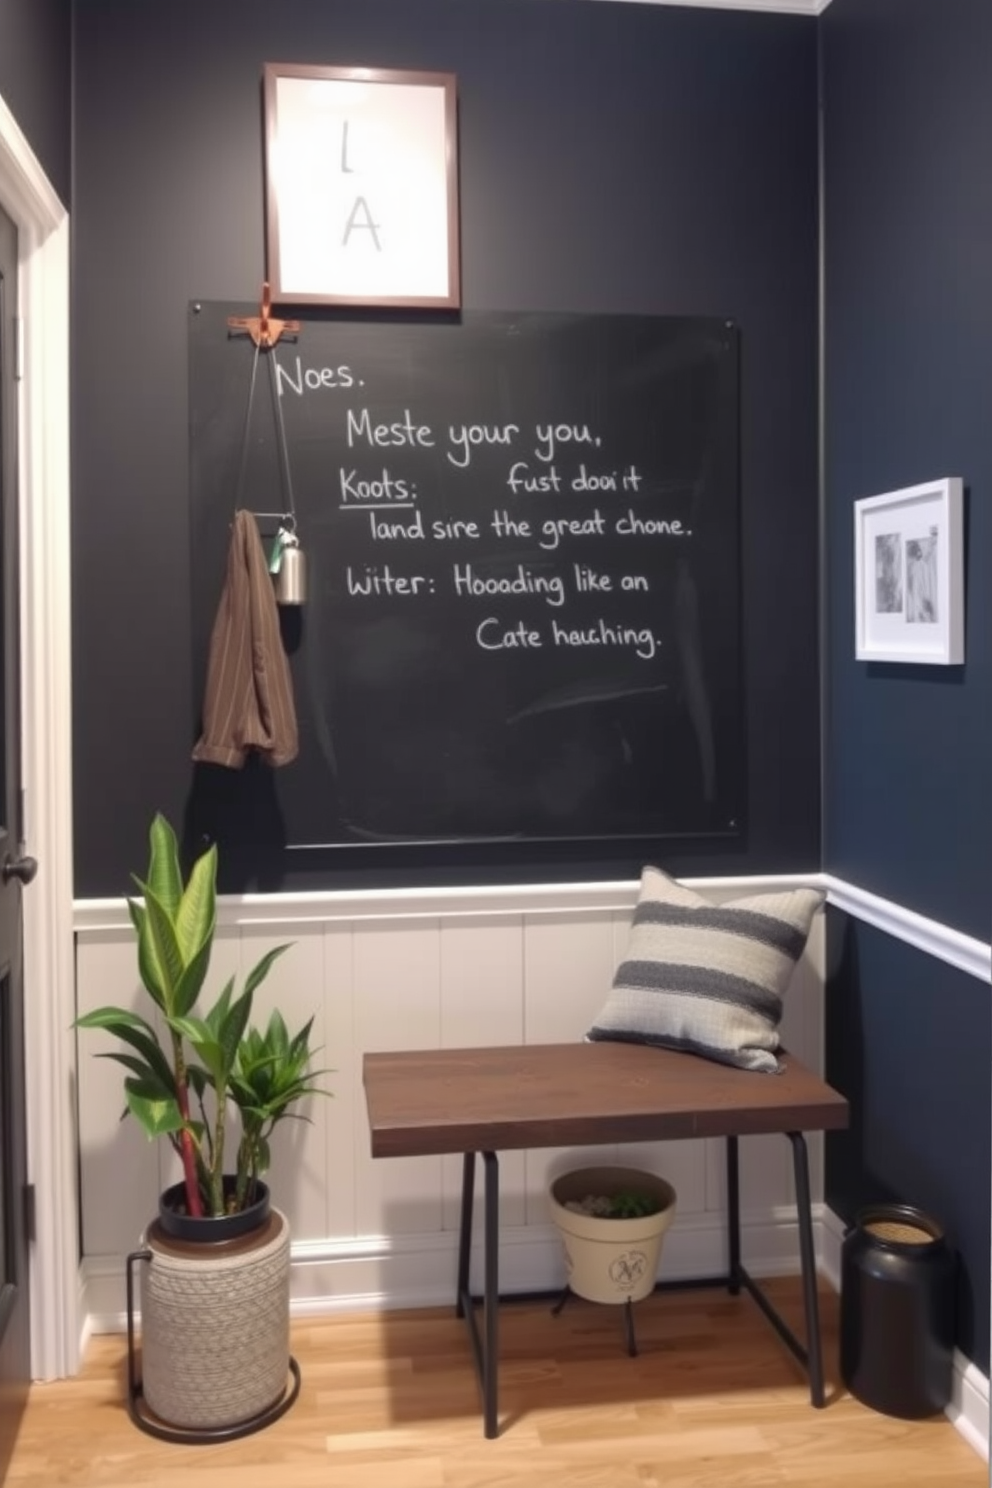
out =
column 627, row 1204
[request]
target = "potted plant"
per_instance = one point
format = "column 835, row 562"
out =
column 216, row 1246
column 612, row 1222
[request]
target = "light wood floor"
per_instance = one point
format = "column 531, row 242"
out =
column 390, row 1401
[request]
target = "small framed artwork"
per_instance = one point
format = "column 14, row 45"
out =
column 909, row 574
column 361, row 184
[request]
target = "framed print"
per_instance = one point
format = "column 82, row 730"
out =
column 909, row 574
column 361, row 181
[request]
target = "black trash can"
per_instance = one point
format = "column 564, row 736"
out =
column 897, row 1311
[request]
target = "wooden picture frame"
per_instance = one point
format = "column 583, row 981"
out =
column 909, row 574
column 361, row 179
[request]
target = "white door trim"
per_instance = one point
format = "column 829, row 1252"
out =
column 46, row 704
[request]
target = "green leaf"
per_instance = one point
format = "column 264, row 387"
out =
column 300, row 1046
column 159, row 1117
column 207, row 1047
column 260, row 970
column 150, row 1079
column 133, row 1030
column 198, row 1080
column 196, row 1030
column 218, row 1012
column 272, row 1073
column 113, row 1018
column 164, row 873
column 276, row 1036
column 192, row 979
column 196, row 914
column 149, row 971
column 158, row 949
column 232, row 1028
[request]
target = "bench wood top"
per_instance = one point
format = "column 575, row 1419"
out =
column 550, row 1095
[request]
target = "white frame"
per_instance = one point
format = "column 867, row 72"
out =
column 910, row 607
column 46, row 730
column 361, row 172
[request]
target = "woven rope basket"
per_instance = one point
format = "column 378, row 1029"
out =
column 215, row 1327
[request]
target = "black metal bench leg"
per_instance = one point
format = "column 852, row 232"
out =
column 563, row 1297
column 490, row 1382
column 733, row 1218
column 484, row 1341
column 463, row 1301
column 807, row 1254
column 628, row 1328
column 739, row 1278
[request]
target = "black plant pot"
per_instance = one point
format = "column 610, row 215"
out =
column 209, row 1229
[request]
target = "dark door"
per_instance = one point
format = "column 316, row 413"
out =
column 15, row 1342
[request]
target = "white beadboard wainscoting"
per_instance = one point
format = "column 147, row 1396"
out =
column 409, row 969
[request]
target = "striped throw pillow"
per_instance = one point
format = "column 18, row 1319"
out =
column 707, row 978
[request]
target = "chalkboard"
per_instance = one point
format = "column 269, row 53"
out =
column 523, row 550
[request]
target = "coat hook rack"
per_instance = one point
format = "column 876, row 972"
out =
column 263, row 328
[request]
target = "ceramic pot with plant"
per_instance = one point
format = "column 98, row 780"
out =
column 187, row 1071
column 612, row 1222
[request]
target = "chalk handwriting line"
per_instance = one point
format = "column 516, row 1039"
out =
column 581, row 693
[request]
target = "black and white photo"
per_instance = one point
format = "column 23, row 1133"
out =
column 909, row 574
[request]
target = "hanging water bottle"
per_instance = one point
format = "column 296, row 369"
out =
column 289, row 568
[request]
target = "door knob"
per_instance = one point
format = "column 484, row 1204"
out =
column 22, row 868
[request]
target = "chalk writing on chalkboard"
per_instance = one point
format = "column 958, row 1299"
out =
column 523, row 547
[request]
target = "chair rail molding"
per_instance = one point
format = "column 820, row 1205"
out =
column 95, row 916
column 935, row 939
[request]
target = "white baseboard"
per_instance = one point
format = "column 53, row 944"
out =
column 968, row 1410
column 380, row 1272
column 832, row 1229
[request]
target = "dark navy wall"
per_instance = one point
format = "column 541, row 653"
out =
column 35, row 56
column 614, row 158
column 909, row 388
column 908, row 1042
column 908, row 768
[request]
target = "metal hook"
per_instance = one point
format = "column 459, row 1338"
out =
column 263, row 328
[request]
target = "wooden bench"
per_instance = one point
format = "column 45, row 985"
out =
column 552, row 1095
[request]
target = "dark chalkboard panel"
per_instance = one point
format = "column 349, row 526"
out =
column 522, row 534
